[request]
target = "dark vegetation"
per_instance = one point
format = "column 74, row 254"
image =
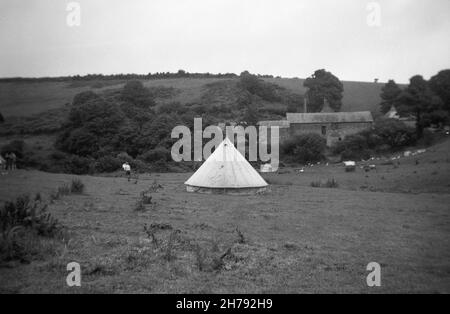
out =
column 124, row 77
column 27, row 230
column 47, row 122
column 426, row 101
column 389, row 95
column 388, row 135
column 330, row 183
column 22, row 223
column 304, row 148
column 323, row 87
column 97, row 132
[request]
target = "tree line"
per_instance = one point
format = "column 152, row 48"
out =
column 428, row 101
column 128, row 76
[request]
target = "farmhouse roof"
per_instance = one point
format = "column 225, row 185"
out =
column 330, row 117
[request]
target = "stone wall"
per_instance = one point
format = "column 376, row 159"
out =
column 333, row 132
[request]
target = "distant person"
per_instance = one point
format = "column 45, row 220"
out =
column 13, row 161
column 8, row 161
column 127, row 168
column 2, row 163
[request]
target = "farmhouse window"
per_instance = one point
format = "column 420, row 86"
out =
column 324, row 130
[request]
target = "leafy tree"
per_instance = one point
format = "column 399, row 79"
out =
column 256, row 86
column 15, row 146
column 294, row 103
column 90, row 128
column 249, row 82
column 137, row 94
column 156, row 154
column 440, row 85
column 173, row 107
column 251, row 114
column 80, row 142
column 107, row 164
column 304, row 148
column 100, row 114
column 419, row 100
column 390, row 132
column 389, row 95
column 157, row 132
column 323, row 85
column 84, row 97
column 137, row 115
column 126, row 138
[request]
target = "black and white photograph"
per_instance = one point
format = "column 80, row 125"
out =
column 224, row 152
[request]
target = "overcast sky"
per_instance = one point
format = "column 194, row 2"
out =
column 279, row 37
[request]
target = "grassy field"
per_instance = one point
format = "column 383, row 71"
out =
column 295, row 239
column 29, row 98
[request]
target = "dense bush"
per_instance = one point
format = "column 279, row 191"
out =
column 84, row 97
column 78, row 165
column 135, row 93
column 294, row 103
column 173, row 107
column 15, row 146
column 137, row 115
column 157, row 154
column 48, row 121
column 388, row 135
column 90, row 127
column 124, row 157
column 259, row 87
column 108, row 164
column 27, row 213
column 160, row 166
column 77, row 186
column 353, row 147
column 138, row 165
column 22, row 224
column 394, row 133
column 304, row 148
column 330, row 183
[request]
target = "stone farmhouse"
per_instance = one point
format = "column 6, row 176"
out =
column 333, row 126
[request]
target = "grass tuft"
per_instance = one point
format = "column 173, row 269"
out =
column 330, row 183
column 77, row 186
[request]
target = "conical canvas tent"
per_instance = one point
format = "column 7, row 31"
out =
column 226, row 171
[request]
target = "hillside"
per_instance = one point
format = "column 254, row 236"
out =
column 358, row 96
column 28, row 98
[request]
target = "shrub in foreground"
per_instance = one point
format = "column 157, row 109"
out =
column 27, row 213
column 330, row 183
column 77, row 186
column 304, row 148
column 22, row 224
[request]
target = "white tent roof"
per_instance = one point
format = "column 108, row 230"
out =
column 226, row 168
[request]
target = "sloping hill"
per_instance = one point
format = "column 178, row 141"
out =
column 28, row 98
column 358, row 96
